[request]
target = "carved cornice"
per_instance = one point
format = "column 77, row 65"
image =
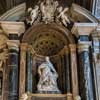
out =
column 83, row 14
column 13, row 27
column 84, row 46
column 83, row 28
column 15, row 13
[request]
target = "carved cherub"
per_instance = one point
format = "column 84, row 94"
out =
column 63, row 15
column 33, row 14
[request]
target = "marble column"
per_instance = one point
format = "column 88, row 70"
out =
column 22, row 80
column 67, row 69
column 29, row 82
column 85, row 76
column 13, row 46
column 74, row 75
column 67, row 74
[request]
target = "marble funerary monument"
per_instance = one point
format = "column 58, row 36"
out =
column 49, row 52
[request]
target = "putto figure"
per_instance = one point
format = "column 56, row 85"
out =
column 63, row 15
column 48, row 78
column 33, row 14
column 48, row 11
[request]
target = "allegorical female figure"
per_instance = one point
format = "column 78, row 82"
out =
column 48, row 78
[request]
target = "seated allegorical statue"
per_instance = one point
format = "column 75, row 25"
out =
column 48, row 78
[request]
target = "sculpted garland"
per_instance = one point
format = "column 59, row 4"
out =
column 48, row 11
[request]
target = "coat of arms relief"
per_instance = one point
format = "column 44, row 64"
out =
column 48, row 11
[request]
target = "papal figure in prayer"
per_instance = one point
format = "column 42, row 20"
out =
column 48, row 78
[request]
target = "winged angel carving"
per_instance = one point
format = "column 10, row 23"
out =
column 47, row 11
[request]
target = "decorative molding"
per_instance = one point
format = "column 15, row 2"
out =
column 13, row 27
column 83, row 46
column 83, row 28
column 14, row 14
column 82, row 11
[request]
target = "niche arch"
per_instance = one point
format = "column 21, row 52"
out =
column 53, row 40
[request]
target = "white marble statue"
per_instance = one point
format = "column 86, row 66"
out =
column 63, row 15
column 48, row 8
column 33, row 14
column 48, row 77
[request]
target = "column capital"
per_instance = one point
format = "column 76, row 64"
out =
column 72, row 47
column 13, row 44
column 84, row 46
column 24, row 46
column 31, row 50
column 66, row 48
